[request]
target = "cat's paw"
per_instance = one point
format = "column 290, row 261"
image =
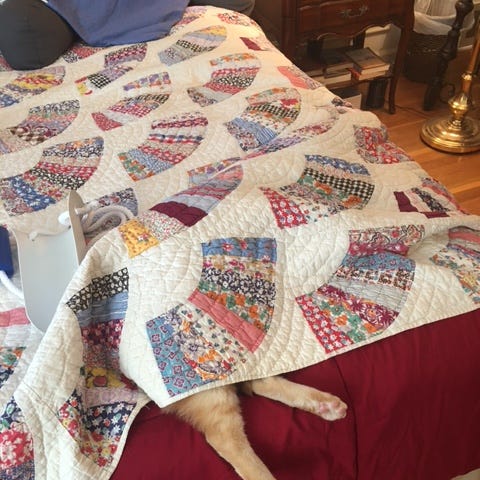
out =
column 331, row 408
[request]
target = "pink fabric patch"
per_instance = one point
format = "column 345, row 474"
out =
column 246, row 333
column 16, row 316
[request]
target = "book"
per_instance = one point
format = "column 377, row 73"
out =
column 314, row 72
column 365, row 58
column 335, row 78
column 367, row 74
column 326, row 62
column 334, row 60
column 380, row 69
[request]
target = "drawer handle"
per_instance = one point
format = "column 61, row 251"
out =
column 350, row 14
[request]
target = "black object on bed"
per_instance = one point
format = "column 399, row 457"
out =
column 31, row 34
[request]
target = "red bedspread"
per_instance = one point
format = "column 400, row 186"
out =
column 414, row 413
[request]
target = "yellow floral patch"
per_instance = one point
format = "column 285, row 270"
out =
column 137, row 237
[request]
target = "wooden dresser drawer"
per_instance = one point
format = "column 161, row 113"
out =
column 341, row 17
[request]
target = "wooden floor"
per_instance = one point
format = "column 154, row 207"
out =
column 459, row 173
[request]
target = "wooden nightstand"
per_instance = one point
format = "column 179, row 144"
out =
column 295, row 21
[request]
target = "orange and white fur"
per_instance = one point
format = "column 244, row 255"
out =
column 216, row 413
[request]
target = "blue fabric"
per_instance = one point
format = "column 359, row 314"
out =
column 116, row 22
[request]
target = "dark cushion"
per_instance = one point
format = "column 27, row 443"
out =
column 31, row 34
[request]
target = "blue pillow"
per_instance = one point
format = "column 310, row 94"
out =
column 115, row 22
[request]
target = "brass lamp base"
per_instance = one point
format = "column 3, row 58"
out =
column 452, row 135
column 457, row 133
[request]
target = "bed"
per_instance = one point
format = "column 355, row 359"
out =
column 271, row 229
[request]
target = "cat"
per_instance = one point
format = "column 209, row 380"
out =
column 216, row 413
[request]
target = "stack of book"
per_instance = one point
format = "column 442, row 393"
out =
column 367, row 64
column 333, row 68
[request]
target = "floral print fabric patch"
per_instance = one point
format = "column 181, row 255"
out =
column 98, row 409
column 368, row 290
column 225, row 318
column 462, row 256
column 16, row 461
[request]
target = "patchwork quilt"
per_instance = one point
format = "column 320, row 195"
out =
column 272, row 226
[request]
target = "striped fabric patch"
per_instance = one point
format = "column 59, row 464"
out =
column 42, row 122
column 90, row 415
column 431, row 199
column 79, row 51
column 374, row 147
column 62, row 168
column 178, row 212
column 193, row 44
column 170, row 141
column 259, row 44
column 231, row 74
column 225, row 318
column 116, row 64
column 368, row 290
column 128, row 110
column 462, row 257
column 267, row 115
column 31, row 83
column 298, row 78
column 190, row 15
column 327, row 186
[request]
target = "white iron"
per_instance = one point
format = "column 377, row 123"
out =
column 47, row 263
